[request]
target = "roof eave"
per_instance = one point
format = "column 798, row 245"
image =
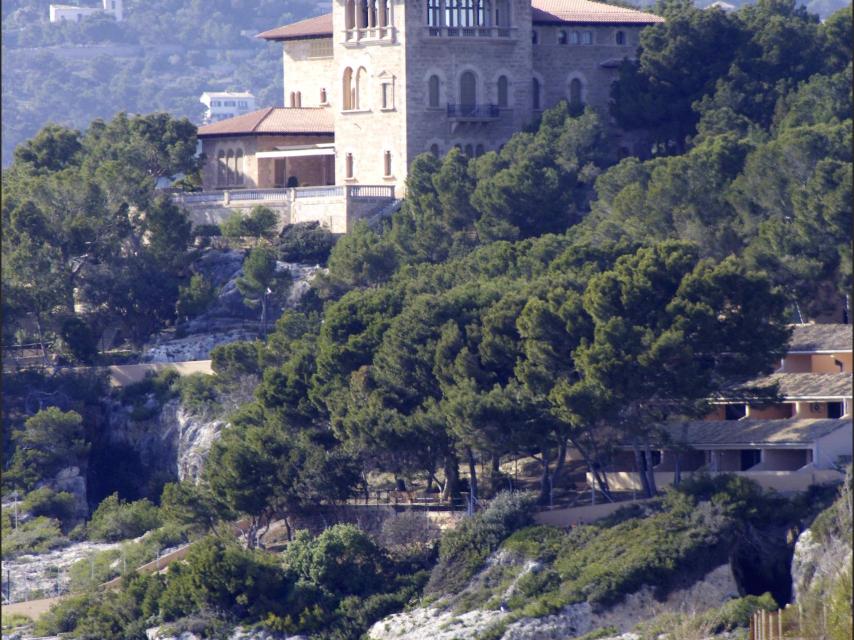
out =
column 265, row 133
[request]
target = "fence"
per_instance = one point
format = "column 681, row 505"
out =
column 783, row 624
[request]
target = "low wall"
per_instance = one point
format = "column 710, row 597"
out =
column 124, row 374
column 573, row 516
column 783, row 481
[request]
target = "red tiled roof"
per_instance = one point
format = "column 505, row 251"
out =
column 585, row 11
column 319, row 27
column 542, row 11
column 273, row 120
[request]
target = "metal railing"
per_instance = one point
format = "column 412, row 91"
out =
column 478, row 111
column 471, row 32
column 370, row 191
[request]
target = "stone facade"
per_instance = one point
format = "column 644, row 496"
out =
column 396, row 85
column 252, row 172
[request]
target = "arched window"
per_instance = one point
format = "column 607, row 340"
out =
column 469, row 151
column 535, row 37
column 574, row 38
column 220, row 168
column 434, row 149
column 479, row 151
column 620, row 38
column 562, row 37
column 323, row 95
column 536, row 94
column 229, row 166
column 503, row 92
column 385, row 12
column 361, row 89
column 586, row 37
column 348, row 95
column 575, row 95
column 468, row 90
column 387, row 164
column 433, row 91
column 348, row 166
column 239, row 169
column 350, row 15
column 372, row 13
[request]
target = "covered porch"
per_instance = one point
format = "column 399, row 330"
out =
column 290, row 166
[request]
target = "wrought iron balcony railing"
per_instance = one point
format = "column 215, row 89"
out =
column 474, row 111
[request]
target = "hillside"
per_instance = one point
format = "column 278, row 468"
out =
column 160, row 58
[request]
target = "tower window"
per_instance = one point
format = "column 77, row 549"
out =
column 387, row 95
column 575, row 92
column 433, row 91
column 536, row 102
column 503, row 92
column 348, row 166
column 387, row 164
column 323, row 96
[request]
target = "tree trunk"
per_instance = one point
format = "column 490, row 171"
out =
column 650, row 473
column 472, row 478
column 639, row 464
column 41, row 339
column 592, row 462
column 452, row 477
column 264, row 315
column 545, row 479
column 496, row 465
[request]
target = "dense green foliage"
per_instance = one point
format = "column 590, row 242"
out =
column 115, row 519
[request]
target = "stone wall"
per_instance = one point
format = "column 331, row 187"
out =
column 309, row 71
column 261, row 172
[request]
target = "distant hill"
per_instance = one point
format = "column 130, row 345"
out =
column 160, row 58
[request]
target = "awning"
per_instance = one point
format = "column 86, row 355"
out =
column 299, row 151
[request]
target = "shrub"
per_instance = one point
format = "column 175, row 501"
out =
column 115, row 519
column 36, row 535
column 463, row 550
column 49, row 503
column 235, row 359
column 79, row 340
column 195, row 298
column 306, row 242
column 198, row 392
column 260, row 222
column 207, row 230
column 51, row 440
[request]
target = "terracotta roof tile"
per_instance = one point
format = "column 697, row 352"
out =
column 729, row 433
column 585, row 11
column 799, row 386
column 821, row 337
column 318, row 27
column 273, row 120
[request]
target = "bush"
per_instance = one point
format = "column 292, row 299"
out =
column 306, row 242
column 115, row 519
column 198, row 392
column 236, row 359
column 260, row 222
column 47, row 502
column 463, row 550
column 195, row 298
column 36, row 535
column 207, row 231
column 79, row 340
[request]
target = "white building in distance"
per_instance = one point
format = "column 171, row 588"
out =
column 74, row 13
column 220, row 105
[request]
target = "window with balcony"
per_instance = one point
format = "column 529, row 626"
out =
column 468, row 90
column 434, row 13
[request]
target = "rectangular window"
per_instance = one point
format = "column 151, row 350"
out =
column 387, row 164
column 434, row 13
column 387, row 95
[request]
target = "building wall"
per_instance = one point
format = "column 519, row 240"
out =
column 308, row 69
column 58, row 13
column 558, row 64
column 448, row 58
column 811, row 410
column 369, row 131
column 827, row 450
column 259, row 173
column 817, row 363
column 771, row 412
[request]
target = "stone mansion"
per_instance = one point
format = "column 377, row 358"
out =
column 377, row 82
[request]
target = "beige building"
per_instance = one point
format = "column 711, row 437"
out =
column 395, row 79
column 76, row 13
column 802, row 438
